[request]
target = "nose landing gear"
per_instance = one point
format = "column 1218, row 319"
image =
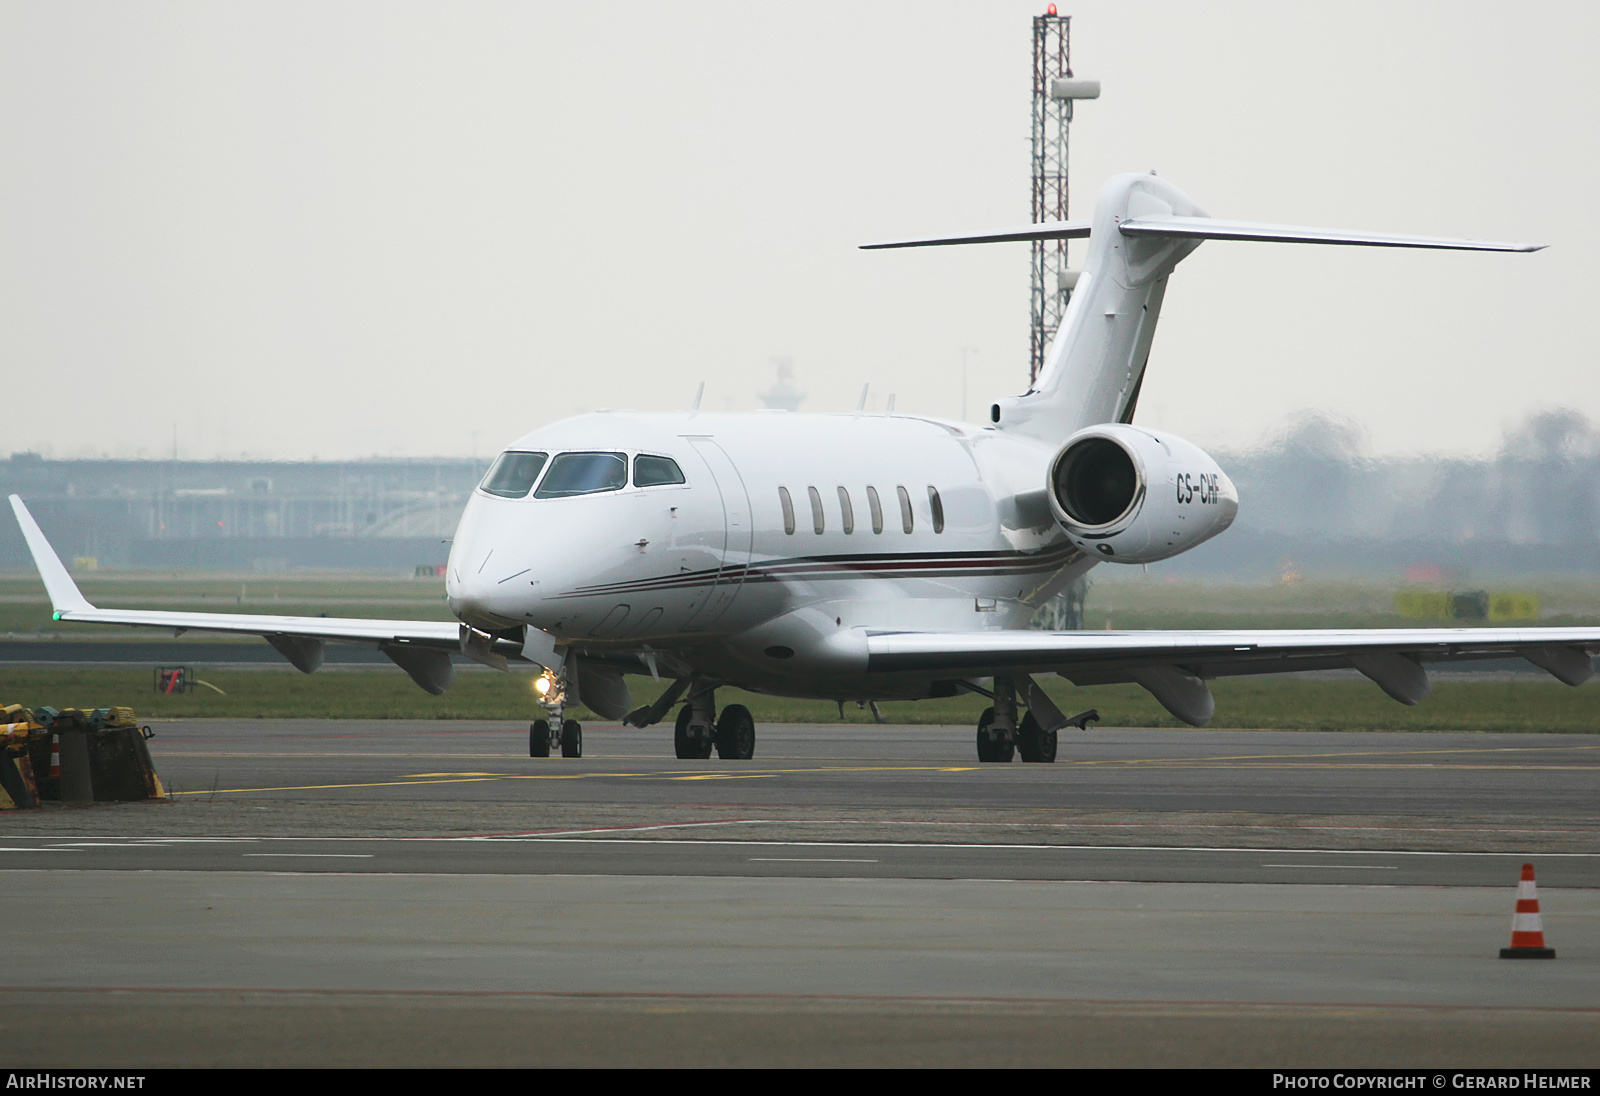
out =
column 541, row 737
column 543, row 733
column 571, row 739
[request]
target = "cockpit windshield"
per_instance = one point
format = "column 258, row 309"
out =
column 513, row 474
column 583, row 474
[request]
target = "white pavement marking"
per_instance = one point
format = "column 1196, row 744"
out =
column 1339, row 867
column 318, row 855
column 808, row 860
column 40, row 850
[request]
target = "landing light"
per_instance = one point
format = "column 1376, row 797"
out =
column 543, row 684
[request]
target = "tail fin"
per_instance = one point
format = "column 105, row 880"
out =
column 1143, row 227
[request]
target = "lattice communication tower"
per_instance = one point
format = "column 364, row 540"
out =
column 1051, row 115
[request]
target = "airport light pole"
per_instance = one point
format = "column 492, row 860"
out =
column 1055, row 90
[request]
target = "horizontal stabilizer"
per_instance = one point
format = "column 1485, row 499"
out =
column 1048, row 230
column 1210, row 228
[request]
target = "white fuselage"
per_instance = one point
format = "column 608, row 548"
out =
column 715, row 574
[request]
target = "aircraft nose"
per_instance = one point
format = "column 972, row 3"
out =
column 472, row 587
column 485, row 601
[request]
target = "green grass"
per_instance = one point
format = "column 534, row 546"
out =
column 1531, row 705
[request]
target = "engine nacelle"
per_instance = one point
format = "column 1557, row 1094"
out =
column 1132, row 495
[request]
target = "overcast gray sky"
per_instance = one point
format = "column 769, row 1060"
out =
column 346, row 229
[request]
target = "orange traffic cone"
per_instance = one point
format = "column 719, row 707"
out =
column 1527, row 935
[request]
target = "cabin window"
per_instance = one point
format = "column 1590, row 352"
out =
column 877, row 509
column 788, row 510
column 513, row 473
column 583, row 474
column 937, row 506
column 655, row 471
column 847, row 513
column 816, row 510
column 905, row 508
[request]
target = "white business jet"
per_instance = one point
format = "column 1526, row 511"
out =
column 863, row 556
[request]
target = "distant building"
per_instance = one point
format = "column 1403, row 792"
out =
column 240, row 515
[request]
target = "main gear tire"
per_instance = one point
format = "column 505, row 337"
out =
column 1035, row 743
column 736, row 733
column 689, row 743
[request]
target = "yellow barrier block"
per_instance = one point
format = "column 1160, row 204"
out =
column 1513, row 606
column 1423, row 604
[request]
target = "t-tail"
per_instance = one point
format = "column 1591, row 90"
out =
column 1143, row 227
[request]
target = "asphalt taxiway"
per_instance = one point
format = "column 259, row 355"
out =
column 851, row 896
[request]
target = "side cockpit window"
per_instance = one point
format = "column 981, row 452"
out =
column 583, row 474
column 655, row 471
column 513, row 474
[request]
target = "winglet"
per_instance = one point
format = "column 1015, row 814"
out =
column 65, row 597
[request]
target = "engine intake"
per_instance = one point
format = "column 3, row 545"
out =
column 1096, row 482
column 1132, row 495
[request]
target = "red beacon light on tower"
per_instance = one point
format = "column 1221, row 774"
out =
column 1051, row 10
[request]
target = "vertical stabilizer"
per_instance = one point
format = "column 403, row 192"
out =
column 1096, row 361
column 1142, row 228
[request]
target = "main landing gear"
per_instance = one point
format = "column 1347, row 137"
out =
column 1002, row 735
column 699, row 729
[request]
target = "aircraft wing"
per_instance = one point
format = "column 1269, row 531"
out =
column 420, row 647
column 1173, row 666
